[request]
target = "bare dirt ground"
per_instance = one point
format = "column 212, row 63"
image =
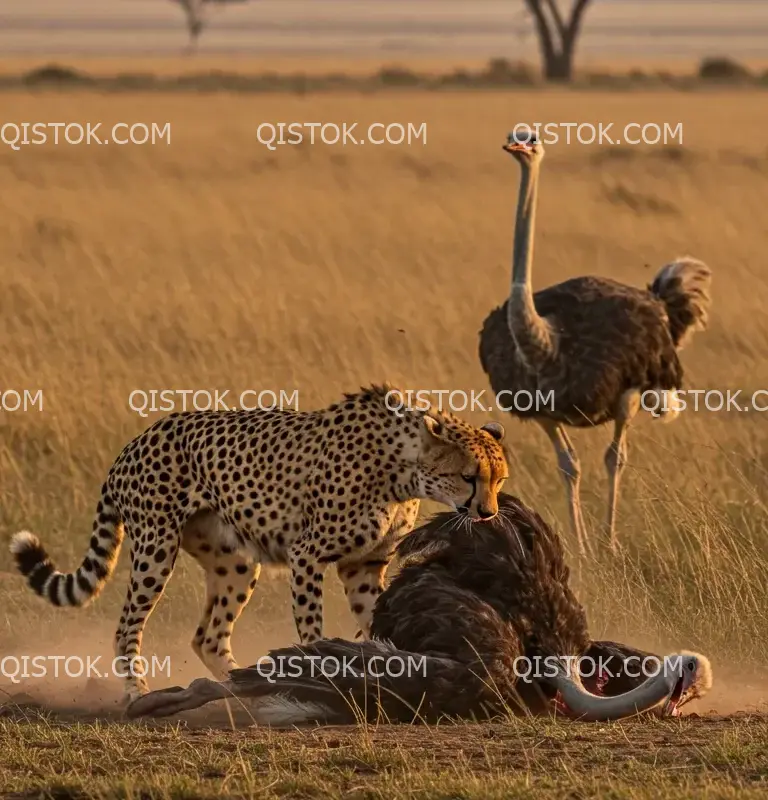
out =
column 74, row 758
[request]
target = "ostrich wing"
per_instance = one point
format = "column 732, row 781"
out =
column 330, row 681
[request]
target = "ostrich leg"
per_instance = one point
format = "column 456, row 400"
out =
column 568, row 462
column 616, row 457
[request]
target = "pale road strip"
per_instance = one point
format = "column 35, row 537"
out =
column 481, row 28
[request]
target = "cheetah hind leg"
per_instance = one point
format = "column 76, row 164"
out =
column 230, row 580
column 149, row 575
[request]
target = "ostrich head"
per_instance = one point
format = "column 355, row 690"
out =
column 676, row 680
column 525, row 146
column 693, row 679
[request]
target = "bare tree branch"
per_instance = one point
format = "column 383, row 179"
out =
column 556, row 16
column 194, row 12
column 577, row 15
column 557, row 36
column 542, row 29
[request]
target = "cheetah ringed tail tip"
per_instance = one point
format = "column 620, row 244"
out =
column 74, row 588
column 23, row 541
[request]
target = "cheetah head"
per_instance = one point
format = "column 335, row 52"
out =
column 461, row 466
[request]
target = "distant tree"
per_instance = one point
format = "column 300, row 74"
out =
column 196, row 15
column 557, row 35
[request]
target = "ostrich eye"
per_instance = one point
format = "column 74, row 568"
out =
column 691, row 665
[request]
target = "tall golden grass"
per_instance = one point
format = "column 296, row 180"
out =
column 215, row 263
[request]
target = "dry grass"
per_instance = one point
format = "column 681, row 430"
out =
column 214, row 263
column 715, row 758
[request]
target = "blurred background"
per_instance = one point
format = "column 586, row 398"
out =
column 618, row 30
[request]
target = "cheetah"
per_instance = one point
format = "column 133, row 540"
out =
column 238, row 489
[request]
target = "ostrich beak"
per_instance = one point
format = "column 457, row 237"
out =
column 515, row 147
column 672, row 707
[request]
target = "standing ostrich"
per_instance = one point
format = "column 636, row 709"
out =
column 593, row 344
column 486, row 612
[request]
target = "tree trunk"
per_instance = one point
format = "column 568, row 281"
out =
column 557, row 38
column 193, row 11
column 558, row 64
column 558, row 67
column 194, row 37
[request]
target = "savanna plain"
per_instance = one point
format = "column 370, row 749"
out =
column 214, row 263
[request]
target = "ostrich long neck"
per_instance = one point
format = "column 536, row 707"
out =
column 593, row 708
column 531, row 333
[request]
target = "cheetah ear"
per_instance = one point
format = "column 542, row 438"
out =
column 434, row 428
column 495, row 429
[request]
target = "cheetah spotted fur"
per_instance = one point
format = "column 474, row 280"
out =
column 239, row 489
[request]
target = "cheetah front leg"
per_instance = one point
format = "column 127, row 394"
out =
column 363, row 582
column 307, row 575
column 364, row 578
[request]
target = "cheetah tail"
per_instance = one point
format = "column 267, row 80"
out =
column 73, row 588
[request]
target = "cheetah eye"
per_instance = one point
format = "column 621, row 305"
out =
column 469, row 478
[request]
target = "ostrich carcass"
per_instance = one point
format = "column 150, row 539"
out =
column 479, row 622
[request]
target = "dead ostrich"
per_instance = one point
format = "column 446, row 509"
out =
column 489, row 608
column 592, row 344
